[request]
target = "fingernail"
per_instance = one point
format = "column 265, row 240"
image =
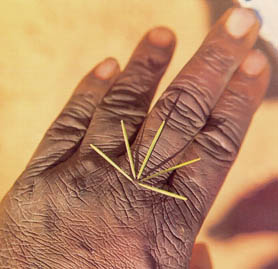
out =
column 161, row 37
column 106, row 69
column 240, row 22
column 254, row 63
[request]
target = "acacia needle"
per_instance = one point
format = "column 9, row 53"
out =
column 104, row 156
column 171, row 194
column 150, row 149
column 128, row 149
column 170, row 169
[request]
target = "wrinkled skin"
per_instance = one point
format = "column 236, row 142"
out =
column 71, row 209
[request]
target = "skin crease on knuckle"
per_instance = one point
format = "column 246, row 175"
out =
column 72, row 123
column 188, row 116
column 222, row 136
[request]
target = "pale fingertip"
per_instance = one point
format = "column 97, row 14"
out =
column 254, row 63
column 161, row 37
column 240, row 22
column 106, row 69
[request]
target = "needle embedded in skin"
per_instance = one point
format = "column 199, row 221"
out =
column 131, row 162
column 171, row 194
column 104, row 156
column 157, row 135
column 128, row 150
column 171, row 169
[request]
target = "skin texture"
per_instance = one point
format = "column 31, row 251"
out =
column 71, row 209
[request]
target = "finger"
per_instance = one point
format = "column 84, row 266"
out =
column 219, row 141
column 66, row 132
column 217, row 145
column 131, row 95
column 200, row 257
column 189, row 99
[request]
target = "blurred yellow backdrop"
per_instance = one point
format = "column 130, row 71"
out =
column 46, row 48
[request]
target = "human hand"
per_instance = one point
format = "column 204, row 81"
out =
column 71, row 209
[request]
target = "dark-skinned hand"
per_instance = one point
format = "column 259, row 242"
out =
column 71, row 209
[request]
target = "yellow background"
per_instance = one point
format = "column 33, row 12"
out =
column 46, row 48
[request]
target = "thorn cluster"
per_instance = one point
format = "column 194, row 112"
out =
column 146, row 159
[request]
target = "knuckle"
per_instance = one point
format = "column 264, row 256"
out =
column 185, row 106
column 127, row 99
column 131, row 95
column 217, row 58
column 80, row 106
column 239, row 97
column 140, row 75
column 74, row 119
column 221, row 140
